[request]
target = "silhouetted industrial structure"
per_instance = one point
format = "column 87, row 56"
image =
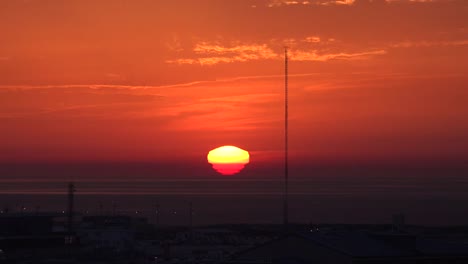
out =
column 71, row 193
column 157, row 211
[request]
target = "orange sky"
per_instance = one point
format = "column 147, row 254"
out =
column 162, row 80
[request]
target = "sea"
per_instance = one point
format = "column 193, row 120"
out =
column 425, row 195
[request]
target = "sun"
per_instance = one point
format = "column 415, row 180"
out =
column 228, row 160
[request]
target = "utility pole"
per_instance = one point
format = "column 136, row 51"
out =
column 157, row 214
column 70, row 212
column 190, row 215
column 190, row 222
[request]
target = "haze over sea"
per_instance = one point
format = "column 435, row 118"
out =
column 429, row 194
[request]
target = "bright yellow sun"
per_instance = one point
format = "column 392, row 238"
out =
column 228, row 160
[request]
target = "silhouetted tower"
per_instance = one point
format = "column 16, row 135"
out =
column 157, row 211
column 70, row 212
column 190, row 222
column 286, row 169
column 114, row 208
column 190, row 215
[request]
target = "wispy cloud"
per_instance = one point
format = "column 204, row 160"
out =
column 278, row 3
column 340, row 2
column 74, row 101
column 281, row 3
column 206, row 53
column 312, row 39
column 315, row 56
column 174, row 44
column 237, row 112
column 184, row 107
column 240, row 49
column 309, row 48
column 416, row 1
column 215, row 53
column 412, row 44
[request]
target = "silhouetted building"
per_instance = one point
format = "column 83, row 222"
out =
column 398, row 222
column 113, row 233
column 24, row 235
column 26, row 224
column 351, row 247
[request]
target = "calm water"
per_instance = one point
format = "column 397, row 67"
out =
column 319, row 195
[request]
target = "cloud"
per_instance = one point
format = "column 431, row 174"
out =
column 184, row 107
column 278, row 3
column 315, row 56
column 415, row 1
column 56, row 102
column 342, row 2
column 215, row 53
column 281, row 3
column 206, row 53
column 234, row 113
column 312, row 39
column 174, row 44
column 204, row 47
column 416, row 44
column 309, row 48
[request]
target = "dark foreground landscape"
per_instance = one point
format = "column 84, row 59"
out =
column 337, row 215
column 49, row 238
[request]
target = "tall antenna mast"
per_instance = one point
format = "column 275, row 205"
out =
column 70, row 212
column 285, row 208
column 190, row 215
column 157, row 213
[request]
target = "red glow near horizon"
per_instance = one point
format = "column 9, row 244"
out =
column 228, row 169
